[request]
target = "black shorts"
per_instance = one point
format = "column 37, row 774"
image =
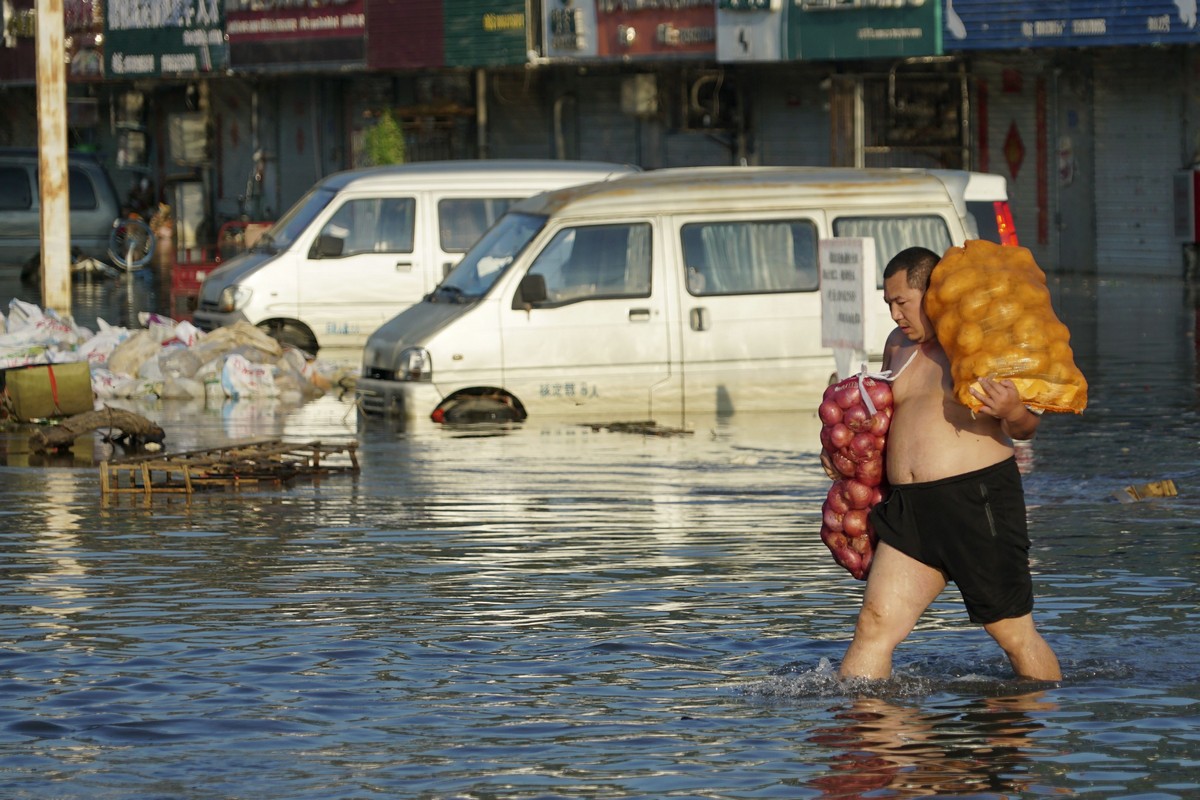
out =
column 971, row 527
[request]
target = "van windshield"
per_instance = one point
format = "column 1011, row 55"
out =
column 484, row 263
column 292, row 224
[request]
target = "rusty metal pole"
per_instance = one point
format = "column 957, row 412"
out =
column 52, row 157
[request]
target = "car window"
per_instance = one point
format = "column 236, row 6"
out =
column 893, row 234
column 373, row 225
column 753, row 256
column 462, row 220
column 81, row 190
column 16, row 194
column 596, row 262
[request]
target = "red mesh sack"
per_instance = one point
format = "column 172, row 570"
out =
column 855, row 415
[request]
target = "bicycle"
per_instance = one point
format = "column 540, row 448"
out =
column 131, row 243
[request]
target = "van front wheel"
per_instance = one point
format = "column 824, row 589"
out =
column 291, row 334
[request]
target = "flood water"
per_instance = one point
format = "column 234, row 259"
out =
column 551, row 611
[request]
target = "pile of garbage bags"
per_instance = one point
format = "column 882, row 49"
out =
column 166, row 359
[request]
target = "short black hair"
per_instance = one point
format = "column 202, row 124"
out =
column 918, row 262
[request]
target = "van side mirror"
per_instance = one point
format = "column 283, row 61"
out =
column 327, row 246
column 530, row 291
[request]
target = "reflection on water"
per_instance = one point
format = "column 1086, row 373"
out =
column 948, row 748
column 550, row 611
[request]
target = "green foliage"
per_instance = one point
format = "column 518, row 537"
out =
column 385, row 141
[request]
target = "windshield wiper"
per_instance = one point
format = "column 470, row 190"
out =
column 451, row 293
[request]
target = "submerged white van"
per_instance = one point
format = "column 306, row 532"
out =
column 364, row 244
column 663, row 295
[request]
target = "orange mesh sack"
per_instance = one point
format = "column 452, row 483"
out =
column 991, row 310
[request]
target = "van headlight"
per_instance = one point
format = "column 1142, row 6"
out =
column 415, row 365
column 232, row 298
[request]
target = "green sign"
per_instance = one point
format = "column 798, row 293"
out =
column 839, row 29
column 478, row 33
column 167, row 37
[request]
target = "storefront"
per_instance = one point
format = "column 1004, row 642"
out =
column 1087, row 121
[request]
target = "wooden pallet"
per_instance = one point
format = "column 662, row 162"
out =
column 232, row 467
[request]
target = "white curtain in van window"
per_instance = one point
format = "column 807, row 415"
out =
column 746, row 257
column 893, row 234
column 637, row 261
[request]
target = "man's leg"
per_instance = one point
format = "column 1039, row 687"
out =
column 1027, row 651
column 899, row 589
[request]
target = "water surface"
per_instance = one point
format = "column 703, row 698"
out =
column 551, row 611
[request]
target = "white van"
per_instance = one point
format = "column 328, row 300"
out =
column 364, row 244
column 667, row 294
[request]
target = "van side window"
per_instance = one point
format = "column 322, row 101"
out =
column 373, row 225
column 81, row 190
column 751, row 256
column 596, row 262
column 15, row 192
column 462, row 220
column 893, row 234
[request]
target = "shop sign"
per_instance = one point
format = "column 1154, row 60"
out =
column 569, row 27
column 405, row 34
column 283, row 34
column 482, row 33
column 839, row 29
column 1001, row 24
column 750, row 30
column 168, row 37
column 628, row 29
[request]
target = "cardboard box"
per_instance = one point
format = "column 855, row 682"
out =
column 50, row 390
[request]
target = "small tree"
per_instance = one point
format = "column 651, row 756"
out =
column 385, row 141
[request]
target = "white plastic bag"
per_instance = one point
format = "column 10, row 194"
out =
column 240, row 378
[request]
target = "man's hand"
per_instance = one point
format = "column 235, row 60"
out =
column 999, row 397
column 833, row 474
column 1001, row 400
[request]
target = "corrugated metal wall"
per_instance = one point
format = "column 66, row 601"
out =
column 520, row 106
column 606, row 133
column 1139, row 136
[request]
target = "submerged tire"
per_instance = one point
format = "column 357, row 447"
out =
column 290, row 333
column 480, row 409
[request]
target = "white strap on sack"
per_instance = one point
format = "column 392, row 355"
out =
column 886, row 375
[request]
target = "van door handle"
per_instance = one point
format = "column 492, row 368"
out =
column 639, row 315
column 698, row 317
column 404, row 266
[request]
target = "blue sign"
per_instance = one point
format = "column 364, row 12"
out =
column 1005, row 24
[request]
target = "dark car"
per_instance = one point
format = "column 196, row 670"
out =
column 94, row 206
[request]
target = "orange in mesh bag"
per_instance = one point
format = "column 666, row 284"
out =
column 991, row 310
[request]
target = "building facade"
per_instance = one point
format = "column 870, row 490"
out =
column 233, row 108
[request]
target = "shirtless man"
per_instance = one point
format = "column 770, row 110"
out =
column 956, row 509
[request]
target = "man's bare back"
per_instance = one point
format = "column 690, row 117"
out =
column 932, row 435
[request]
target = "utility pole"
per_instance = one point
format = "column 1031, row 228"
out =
column 52, row 157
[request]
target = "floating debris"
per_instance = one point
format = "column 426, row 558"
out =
column 230, row 467
column 1132, row 494
column 646, row 428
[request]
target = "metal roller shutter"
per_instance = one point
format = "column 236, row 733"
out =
column 1139, row 119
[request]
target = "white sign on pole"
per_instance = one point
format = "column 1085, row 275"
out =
column 847, row 281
